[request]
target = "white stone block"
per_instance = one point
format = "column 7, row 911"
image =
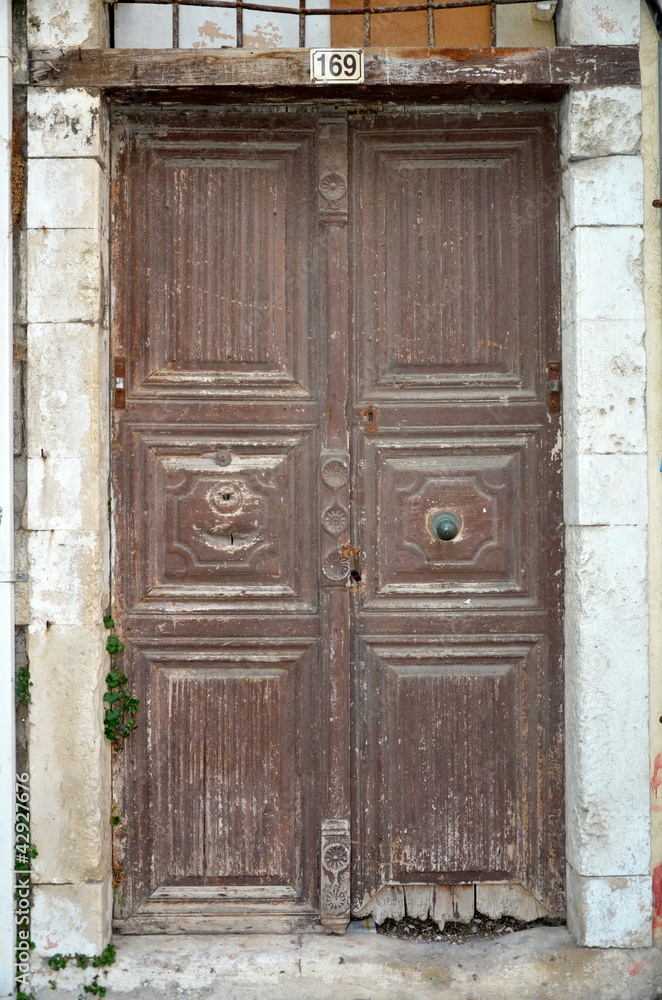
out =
column 69, row 753
column 66, row 194
column 599, row 22
column 606, row 191
column 21, row 591
column 63, row 123
column 65, row 280
column 607, row 763
column 61, row 24
column 68, row 576
column 67, row 418
column 207, row 27
column 66, row 404
column 20, row 238
column 65, row 493
column 17, row 400
column 72, row 918
column 601, row 121
column 605, row 573
column 604, row 387
column 608, row 263
column 610, row 912
column 143, row 26
column 605, row 489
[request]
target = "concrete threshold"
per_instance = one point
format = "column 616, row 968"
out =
column 537, row 964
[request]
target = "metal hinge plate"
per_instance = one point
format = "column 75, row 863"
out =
column 554, row 386
column 119, row 386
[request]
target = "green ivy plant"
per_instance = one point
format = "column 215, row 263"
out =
column 106, row 958
column 23, row 684
column 120, row 715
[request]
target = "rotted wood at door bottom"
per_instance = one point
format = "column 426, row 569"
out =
column 337, row 567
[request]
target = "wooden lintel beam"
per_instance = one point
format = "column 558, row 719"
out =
column 147, row 69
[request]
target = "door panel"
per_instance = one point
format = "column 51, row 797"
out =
column 216, row 289
column 456, row 674
column 447, row 756
column 335, row 325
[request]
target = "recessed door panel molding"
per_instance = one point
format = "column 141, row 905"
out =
column 226, row 733
column 224, row 298
column 337, row 510
column 227, row 519
column 485, row 482
column 433, row 325
column 447, row 785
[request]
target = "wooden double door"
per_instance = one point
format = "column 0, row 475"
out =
column 336, row 474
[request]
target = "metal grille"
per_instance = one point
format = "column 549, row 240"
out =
column 366, row 10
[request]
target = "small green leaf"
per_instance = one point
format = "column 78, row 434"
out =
column 108, row 622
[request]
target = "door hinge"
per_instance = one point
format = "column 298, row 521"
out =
column 554, row 386
column 119, row 387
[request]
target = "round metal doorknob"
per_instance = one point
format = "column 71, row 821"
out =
column 444, row 525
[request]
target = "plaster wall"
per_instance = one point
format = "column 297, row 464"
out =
column 604, row 315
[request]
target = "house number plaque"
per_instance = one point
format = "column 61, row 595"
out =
column 336, row 65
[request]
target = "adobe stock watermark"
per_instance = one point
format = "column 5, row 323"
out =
column 23, row 857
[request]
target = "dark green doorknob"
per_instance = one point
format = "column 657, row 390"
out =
column 444, row 525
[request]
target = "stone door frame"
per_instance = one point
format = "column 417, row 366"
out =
column 605, row 502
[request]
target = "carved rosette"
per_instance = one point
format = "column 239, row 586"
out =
column 335, row 516
column 333, row 198
column 335, row 875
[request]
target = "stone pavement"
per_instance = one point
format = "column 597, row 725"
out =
column 538, row 964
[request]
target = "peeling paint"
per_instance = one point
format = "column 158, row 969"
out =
column 656, row 780
column 657, row 897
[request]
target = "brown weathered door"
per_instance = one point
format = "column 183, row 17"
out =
column 336, row 331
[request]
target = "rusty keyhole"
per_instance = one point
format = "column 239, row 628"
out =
column 370, row 414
